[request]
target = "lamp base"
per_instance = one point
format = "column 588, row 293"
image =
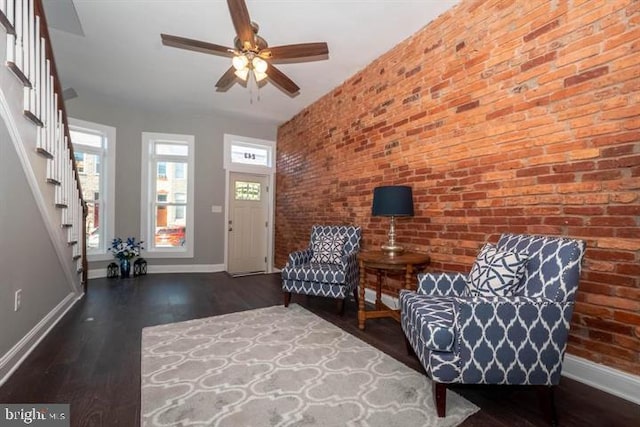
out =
column 391, row 249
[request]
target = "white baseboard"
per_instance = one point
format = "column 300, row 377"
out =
column 186, row 268
column 388, row 300
column 97, row 273
column 10, row 361
column 155, row 269
column 612, row 381
column 609, row 380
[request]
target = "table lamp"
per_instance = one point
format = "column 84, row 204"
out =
column 393, row 201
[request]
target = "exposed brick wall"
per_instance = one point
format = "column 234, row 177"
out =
column 517, row 116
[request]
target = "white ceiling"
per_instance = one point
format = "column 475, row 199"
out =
column 121, row 60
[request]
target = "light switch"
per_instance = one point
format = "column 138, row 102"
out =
column 216, row 209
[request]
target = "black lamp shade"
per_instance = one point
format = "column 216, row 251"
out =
column 392, row 200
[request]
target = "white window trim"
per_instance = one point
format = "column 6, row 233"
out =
column 269, row 171
column 108, row 197
column 148, row 138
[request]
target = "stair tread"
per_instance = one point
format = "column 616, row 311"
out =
column 44, row 153
column 18, row 73
column 7, row 25
column 33, row 118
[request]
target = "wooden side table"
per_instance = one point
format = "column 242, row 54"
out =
column 381, row 262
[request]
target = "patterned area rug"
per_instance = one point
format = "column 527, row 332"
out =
column 280, row 366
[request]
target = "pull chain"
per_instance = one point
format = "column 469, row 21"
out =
column 251, row 79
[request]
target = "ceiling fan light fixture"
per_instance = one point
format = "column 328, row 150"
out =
column 259, row 76
column 251, row 52
column 240, row 62
column 259, row 65
column 242, row 74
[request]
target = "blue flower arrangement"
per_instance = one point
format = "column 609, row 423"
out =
column 126, row 250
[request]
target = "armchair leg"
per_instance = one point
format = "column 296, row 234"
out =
column 547, row 403
column 340, row 306
column 287, row 298
column 439, row 391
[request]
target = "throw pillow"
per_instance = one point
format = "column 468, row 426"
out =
column 495, row 272
column 327, row 249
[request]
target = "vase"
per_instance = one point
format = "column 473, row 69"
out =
column 125, row 268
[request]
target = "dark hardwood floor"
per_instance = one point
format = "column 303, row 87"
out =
column 91, row 359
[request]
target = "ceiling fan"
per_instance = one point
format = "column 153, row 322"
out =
column 251, row 54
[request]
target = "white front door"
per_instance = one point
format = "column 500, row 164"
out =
column 248, row 223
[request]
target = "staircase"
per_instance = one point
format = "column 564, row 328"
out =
column 29, row 56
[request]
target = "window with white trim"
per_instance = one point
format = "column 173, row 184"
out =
column 167, row 194
column 94, row 148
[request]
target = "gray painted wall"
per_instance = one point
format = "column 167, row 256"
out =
column 28, row 260
column 208, row 129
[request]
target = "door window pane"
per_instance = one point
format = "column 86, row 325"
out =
column 247, row 190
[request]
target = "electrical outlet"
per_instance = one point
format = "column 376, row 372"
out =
column 18, row 300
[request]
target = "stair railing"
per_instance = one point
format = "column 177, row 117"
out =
column 30, row 58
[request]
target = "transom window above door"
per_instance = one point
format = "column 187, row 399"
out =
column 246, row 154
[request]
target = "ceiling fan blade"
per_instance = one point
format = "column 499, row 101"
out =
column 196, row 45
column 227, row 79
column 280, row 79
column 242, row 22
column 292, row 51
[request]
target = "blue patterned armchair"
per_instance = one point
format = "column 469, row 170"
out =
column 328, row 267
column 513, row 331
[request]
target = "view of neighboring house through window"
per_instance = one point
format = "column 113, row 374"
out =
column 167, row 181
column 94, row 146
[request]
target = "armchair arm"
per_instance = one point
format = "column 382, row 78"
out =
column 442, row 284
column 349, row 260
column 512, row 340
column 352, row 269
column 299, row 257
